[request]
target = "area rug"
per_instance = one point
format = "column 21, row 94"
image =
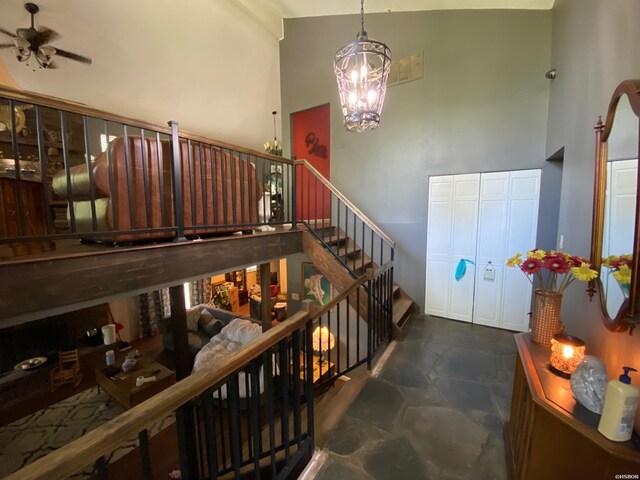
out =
column 44, row 431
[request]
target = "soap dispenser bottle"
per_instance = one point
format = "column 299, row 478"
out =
column 619, row 410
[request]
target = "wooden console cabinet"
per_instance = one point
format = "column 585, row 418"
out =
column 34, row 216
column 550, row 436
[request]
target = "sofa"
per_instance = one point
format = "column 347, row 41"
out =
column 203, row 322
column 218, row 191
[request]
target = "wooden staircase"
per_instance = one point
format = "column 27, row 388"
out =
column 341, row 248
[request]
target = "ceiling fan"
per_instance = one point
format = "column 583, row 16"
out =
column 31, row 41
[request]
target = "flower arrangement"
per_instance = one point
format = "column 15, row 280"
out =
column 563, row 269
column 620, row 266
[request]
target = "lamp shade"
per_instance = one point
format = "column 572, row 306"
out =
column 322, row 339
column 566, row 353
column 362, row 69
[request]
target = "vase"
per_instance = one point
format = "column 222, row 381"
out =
column 545, row 321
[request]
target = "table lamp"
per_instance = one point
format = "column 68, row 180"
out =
column 322, row 341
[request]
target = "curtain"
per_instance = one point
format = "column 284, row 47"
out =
column 152, row 308
column 200, row 291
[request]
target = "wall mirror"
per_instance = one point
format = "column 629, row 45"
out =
column 614, row 244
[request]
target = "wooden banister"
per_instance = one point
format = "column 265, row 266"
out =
column 103, row 440
column 352, row 288
column 347, row 202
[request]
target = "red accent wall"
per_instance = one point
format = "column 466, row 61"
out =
column 311, row 140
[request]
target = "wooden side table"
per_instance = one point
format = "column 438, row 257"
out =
column 550, row 436
column 122, row 386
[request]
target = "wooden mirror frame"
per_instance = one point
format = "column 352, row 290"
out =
column 627, row 315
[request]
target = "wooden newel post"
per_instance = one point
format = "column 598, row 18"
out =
column 265, row 295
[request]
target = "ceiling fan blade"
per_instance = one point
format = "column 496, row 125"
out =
column 73, row 56
column 6, row 45
column 7, row 32
column 46, row 35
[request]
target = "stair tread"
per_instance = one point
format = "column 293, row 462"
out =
column 402, row 306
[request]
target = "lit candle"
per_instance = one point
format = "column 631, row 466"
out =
column 566, row 353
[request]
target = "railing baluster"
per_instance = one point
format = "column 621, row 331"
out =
column 145, row 177
column 309, row 202
column 242, row 163
column 297, row 387
column 160, row 166
column 176, row 170
column 223, row 177
column 363, row 247
column 22, row 224
column 192, row 185
column 203, row 183
column 338, row 337
column 67, row 170
column 214, row 155
column 253, row 415
column 270, row 392
column 283, row 363
column 233, row 398
column 358, row 324
column 294, row 196
column 145, row 454
column 223, row 443
column 130, row 195
column 210, row 434
column 309, row 381
column 101, row 468
column 42, row 153
column 247, row 398
column 233, row 172
column 371, row 324
column 186, row 441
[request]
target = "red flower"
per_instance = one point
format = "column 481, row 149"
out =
column 577, row 261
column 624, row 260
column 557, row 264
column 531, row 265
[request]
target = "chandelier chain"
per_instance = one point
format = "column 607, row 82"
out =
column 362, row 15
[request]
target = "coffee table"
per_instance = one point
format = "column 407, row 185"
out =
column 122, row 386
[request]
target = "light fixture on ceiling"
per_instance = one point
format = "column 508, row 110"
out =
column 362, row 68
column 22, row 51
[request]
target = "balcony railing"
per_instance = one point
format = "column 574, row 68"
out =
column 68, row 171
column 252, row 415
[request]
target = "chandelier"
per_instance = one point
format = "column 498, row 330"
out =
column 362, row 68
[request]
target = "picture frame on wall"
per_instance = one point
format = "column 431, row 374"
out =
column 315, row 286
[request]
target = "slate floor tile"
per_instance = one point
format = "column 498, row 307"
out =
column 394, row 459
column 378, row 404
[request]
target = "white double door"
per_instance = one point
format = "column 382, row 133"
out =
column 482, row 220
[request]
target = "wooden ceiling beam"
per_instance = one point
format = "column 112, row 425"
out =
column 40, row 288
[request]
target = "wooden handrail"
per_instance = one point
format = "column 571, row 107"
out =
column 368, row 275
column 382, row 268
column 347, row 202
column 199, row 138
column 85, row 450
column 82, row 109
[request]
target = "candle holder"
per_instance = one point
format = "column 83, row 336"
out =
column 567, row 352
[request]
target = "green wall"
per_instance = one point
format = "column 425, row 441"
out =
column 594, row 48
column 481, row 106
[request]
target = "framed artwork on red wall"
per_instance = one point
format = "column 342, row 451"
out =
column 311, row 141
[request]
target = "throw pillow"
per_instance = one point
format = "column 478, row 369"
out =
column 213, row 328
column 193, row 314
column 205, row 317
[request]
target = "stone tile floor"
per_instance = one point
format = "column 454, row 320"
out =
column 435, row 412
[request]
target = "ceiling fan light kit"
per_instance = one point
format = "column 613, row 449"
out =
column 32, row 43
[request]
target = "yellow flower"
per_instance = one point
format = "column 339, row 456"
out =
column 584, row 273
column 540, row 254
column 623, row 275
column 515, row 260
